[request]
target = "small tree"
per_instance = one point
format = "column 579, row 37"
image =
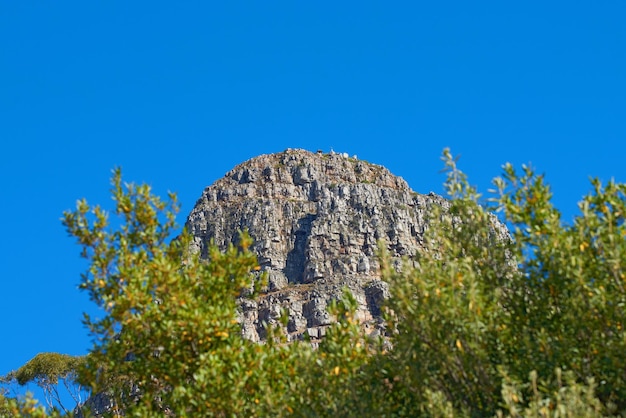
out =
column 574, row 283
column 169, row 340
column 48, row 371
column 448, row 305
column 23, row 407
column 480, row 310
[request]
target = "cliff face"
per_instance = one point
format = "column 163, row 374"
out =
column 316, row 220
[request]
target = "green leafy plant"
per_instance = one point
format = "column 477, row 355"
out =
column 479, row 309
column 484, row 321
column 49, row 371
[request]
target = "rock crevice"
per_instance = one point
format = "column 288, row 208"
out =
column 316, row 220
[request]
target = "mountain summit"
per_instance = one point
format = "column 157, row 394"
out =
column 316, row 220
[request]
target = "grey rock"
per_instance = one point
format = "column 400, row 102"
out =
column 316, row 220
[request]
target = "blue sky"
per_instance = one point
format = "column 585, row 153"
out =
column 177, row 93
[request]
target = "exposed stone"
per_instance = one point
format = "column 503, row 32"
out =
column 316, row 220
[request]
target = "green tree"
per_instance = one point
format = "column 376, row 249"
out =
column 448, row 306
column 23, row 407
column 169, row 340
column 574, row 283
column 484, row 321
column 339, row 378
column 49, row 371
column 480, row 312
column 169, row 321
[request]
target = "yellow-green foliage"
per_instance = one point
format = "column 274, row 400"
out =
column 481, row 311
column 26, row 407
column 48, row 371
column 480, row 323
column 48, row 367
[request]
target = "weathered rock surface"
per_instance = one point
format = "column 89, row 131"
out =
column 316, row 220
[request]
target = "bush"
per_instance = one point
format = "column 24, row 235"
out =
column 485, row 321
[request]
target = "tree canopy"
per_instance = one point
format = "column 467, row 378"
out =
column 483, row 322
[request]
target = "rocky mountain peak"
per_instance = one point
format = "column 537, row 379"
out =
column 316, row 220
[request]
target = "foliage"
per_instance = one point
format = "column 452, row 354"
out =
column 169, row 339
column 23, row 407
column 479, row 310
column 574, row 297
column 340, row 374
column 47, row 368
column 482, row 322
column 48, row 371
column 572, row 399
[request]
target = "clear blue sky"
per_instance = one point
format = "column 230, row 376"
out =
column 177, row 93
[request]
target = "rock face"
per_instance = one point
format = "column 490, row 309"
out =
column 316, row 220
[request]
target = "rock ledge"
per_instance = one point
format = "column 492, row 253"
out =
column 316, row 219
